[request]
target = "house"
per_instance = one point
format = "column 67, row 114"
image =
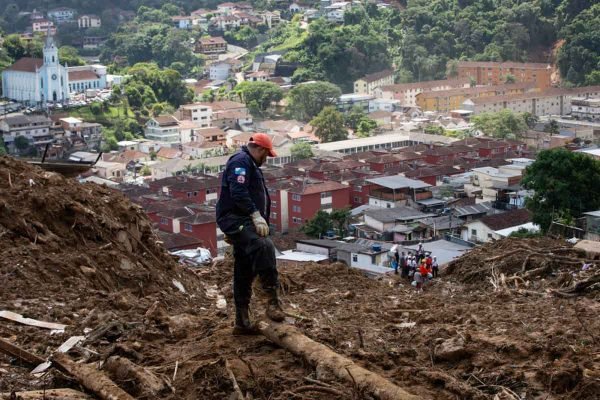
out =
column 200, row 113
column 397, row 190
column 168, row 153
column 270, row 18
column 489, row 181
column 203, row 226
column 407, row 92
column 373, row 258
column 335, row 12
column 325, row 247
column 110, row 170
column 226, row 22
column 258, row 76
column 164, row 128
column 383, row 118
column 182, row 21
column 89, row 21
column 486, row 228
column 44, row 26
column 211, row 45
column 215, row 136
column 221, row 70
column 495, row 73
column 386, row 219
column 61, row 15
column 368, row 83
column 295, row 8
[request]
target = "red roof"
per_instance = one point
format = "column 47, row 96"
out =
column 317, row 187
column 26, row 64
column 82, row 75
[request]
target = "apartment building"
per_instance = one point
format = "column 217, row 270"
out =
column 548, row 102
column 407, row 92
column 211, row 45
column 586, row 108
column 447, row 100
column 368, row 83
column 495, row 73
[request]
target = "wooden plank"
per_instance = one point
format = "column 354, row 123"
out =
column 30, row 321
column 17, row 352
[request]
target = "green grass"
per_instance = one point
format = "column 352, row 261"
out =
column 113, row 112
column 291, row 42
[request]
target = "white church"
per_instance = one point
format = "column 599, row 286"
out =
column 36, row 81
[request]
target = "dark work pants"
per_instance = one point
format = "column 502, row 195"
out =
column 254, row 255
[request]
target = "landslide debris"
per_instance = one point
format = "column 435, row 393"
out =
column 82, row 255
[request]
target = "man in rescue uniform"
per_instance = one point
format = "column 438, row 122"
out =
column 243, row 212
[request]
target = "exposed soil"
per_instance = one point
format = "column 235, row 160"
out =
column 84, row 256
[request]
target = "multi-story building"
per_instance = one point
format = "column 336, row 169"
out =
column 295, row 202
column 548, row 102
column 407, row 92
column 586, row 108
column 201, row 113
column 182, row 21
column 62, row 15
column 221, row 70
column 36, row 128
column 447, row 100
column 211, row 45
column 43, row 26
column 164, row 128
column 495, row 73
column 368, row 83
column 89, row 21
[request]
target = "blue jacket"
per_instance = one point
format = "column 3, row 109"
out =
column 243, row 191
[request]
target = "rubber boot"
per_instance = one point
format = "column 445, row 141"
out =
column 274, row 311
column 243, row 326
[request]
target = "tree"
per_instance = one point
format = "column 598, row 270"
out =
column 261, row 94
column 353, row 117
column 339, row 219
column 96, row 108
column 434, row 130
column 307, row 100
column 319, row 225
column 69, row 55
column 503, row 124
column 153, row 155
column 301, row 151
column 329, row 125
column 564, row 184
column 552, row 127
column 21, row 143
column 145, row 171
column 365, row 127
column 509, row 78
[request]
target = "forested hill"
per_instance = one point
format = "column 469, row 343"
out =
column 419, row 37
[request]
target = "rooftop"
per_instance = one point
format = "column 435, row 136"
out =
column 398, row 182
column 507, row 219
column 396, row 214
column 377, row 75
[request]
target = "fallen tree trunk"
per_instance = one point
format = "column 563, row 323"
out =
column 49, row 394
column 90, row 378
column 17, row 352
column 122, row 369
column 317, row 354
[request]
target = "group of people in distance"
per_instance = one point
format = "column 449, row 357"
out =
column 420, row 267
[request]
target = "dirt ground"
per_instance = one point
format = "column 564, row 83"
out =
column 492, row 327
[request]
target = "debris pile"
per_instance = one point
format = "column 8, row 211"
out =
column 139, row 325
column 528, row 265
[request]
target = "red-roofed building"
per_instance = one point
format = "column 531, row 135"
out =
column 203, row 226
column 198, row 189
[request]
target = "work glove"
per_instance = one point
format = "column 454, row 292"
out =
column 260, row 224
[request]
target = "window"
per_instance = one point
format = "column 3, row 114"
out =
column 187, row 227
column 209, row 191
column 473, row 232
column 356, row 199
column 273, row 204
column 189, row 194
column 273, row 215
column 296, row 197
column 297, row 220
column 325, row 194
column 195, row 194
column 489, row 235
column 296, row 209
column 354, row 257
column 164, row 221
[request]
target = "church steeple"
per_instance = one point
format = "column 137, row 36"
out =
column 50, row 50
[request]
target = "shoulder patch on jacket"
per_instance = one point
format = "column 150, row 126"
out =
column 239, row 171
